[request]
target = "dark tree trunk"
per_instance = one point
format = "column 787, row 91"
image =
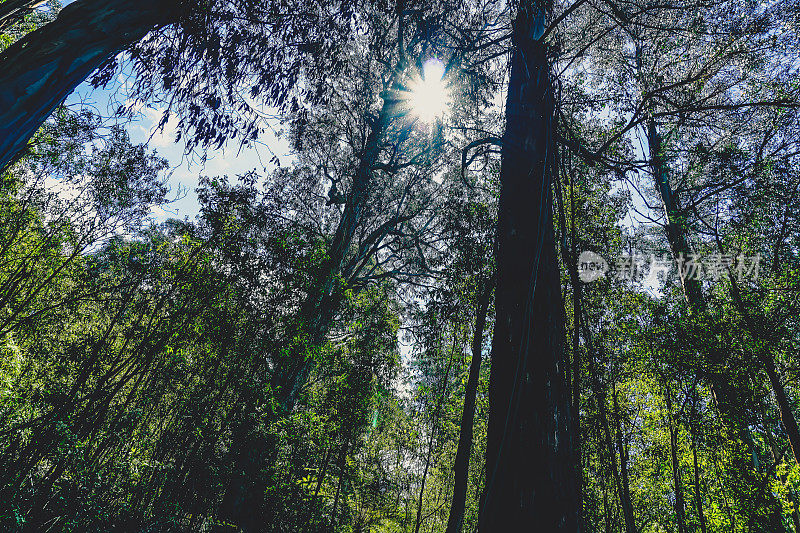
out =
column 606, row 511
column 530, row 470
column 625, row 496
column 40, row 70
column 698, row 491
column 788, row 420
column 13, row 11
column 677, row 478
column 577, row 313
column 432, row 438
column 323, row 303
column 698, row 488
column 342, row 464
column 461, row 464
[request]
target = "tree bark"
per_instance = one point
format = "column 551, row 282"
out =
column 341, row 462
column 698, row 488
column 788, row 420
column 432, row 438
column 765, row 358
column 323, row 303
column 530, row 470
column 461, row 464
column 677, row 478
column 577, row 312
column 625, row 496
column 40, row 70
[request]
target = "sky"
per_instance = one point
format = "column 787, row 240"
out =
column 185, row 170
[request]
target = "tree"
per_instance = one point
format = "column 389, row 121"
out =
column 231, row 41
column 530, row 473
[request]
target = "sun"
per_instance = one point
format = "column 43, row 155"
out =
column 430, row 96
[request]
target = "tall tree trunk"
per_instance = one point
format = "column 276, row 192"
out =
column 461, row 464
column 698, row 488
column 726, row 394
column 325, row 298
column 729, row 393
column 600, row 398
column 765, row 358
column 40, row 70
column 323, row 303
column 530, row 470
column 577, row 313
column 625, row 497
column 677, row 478
column 432, row 438
column 13, row 11
column 788, row 420
column 341, row 461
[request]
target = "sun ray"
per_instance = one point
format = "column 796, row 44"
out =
column 430, row 95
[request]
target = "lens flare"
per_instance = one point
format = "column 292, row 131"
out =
column 430, row 97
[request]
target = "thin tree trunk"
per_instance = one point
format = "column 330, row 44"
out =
column 677, row 478
column 577, row 312
column 606, row 511
column 323, row 303
column 436, row 414
column 342, row 458
column 788, row 420
column 461, row 464
column 40, row 70
column 625, row 497
column 782, row 478
column 627, row 508
column 323, row 471
column 698, row 488
column 530, row 469
column 600, row 398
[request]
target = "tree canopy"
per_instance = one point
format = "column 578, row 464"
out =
column 533, row 266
